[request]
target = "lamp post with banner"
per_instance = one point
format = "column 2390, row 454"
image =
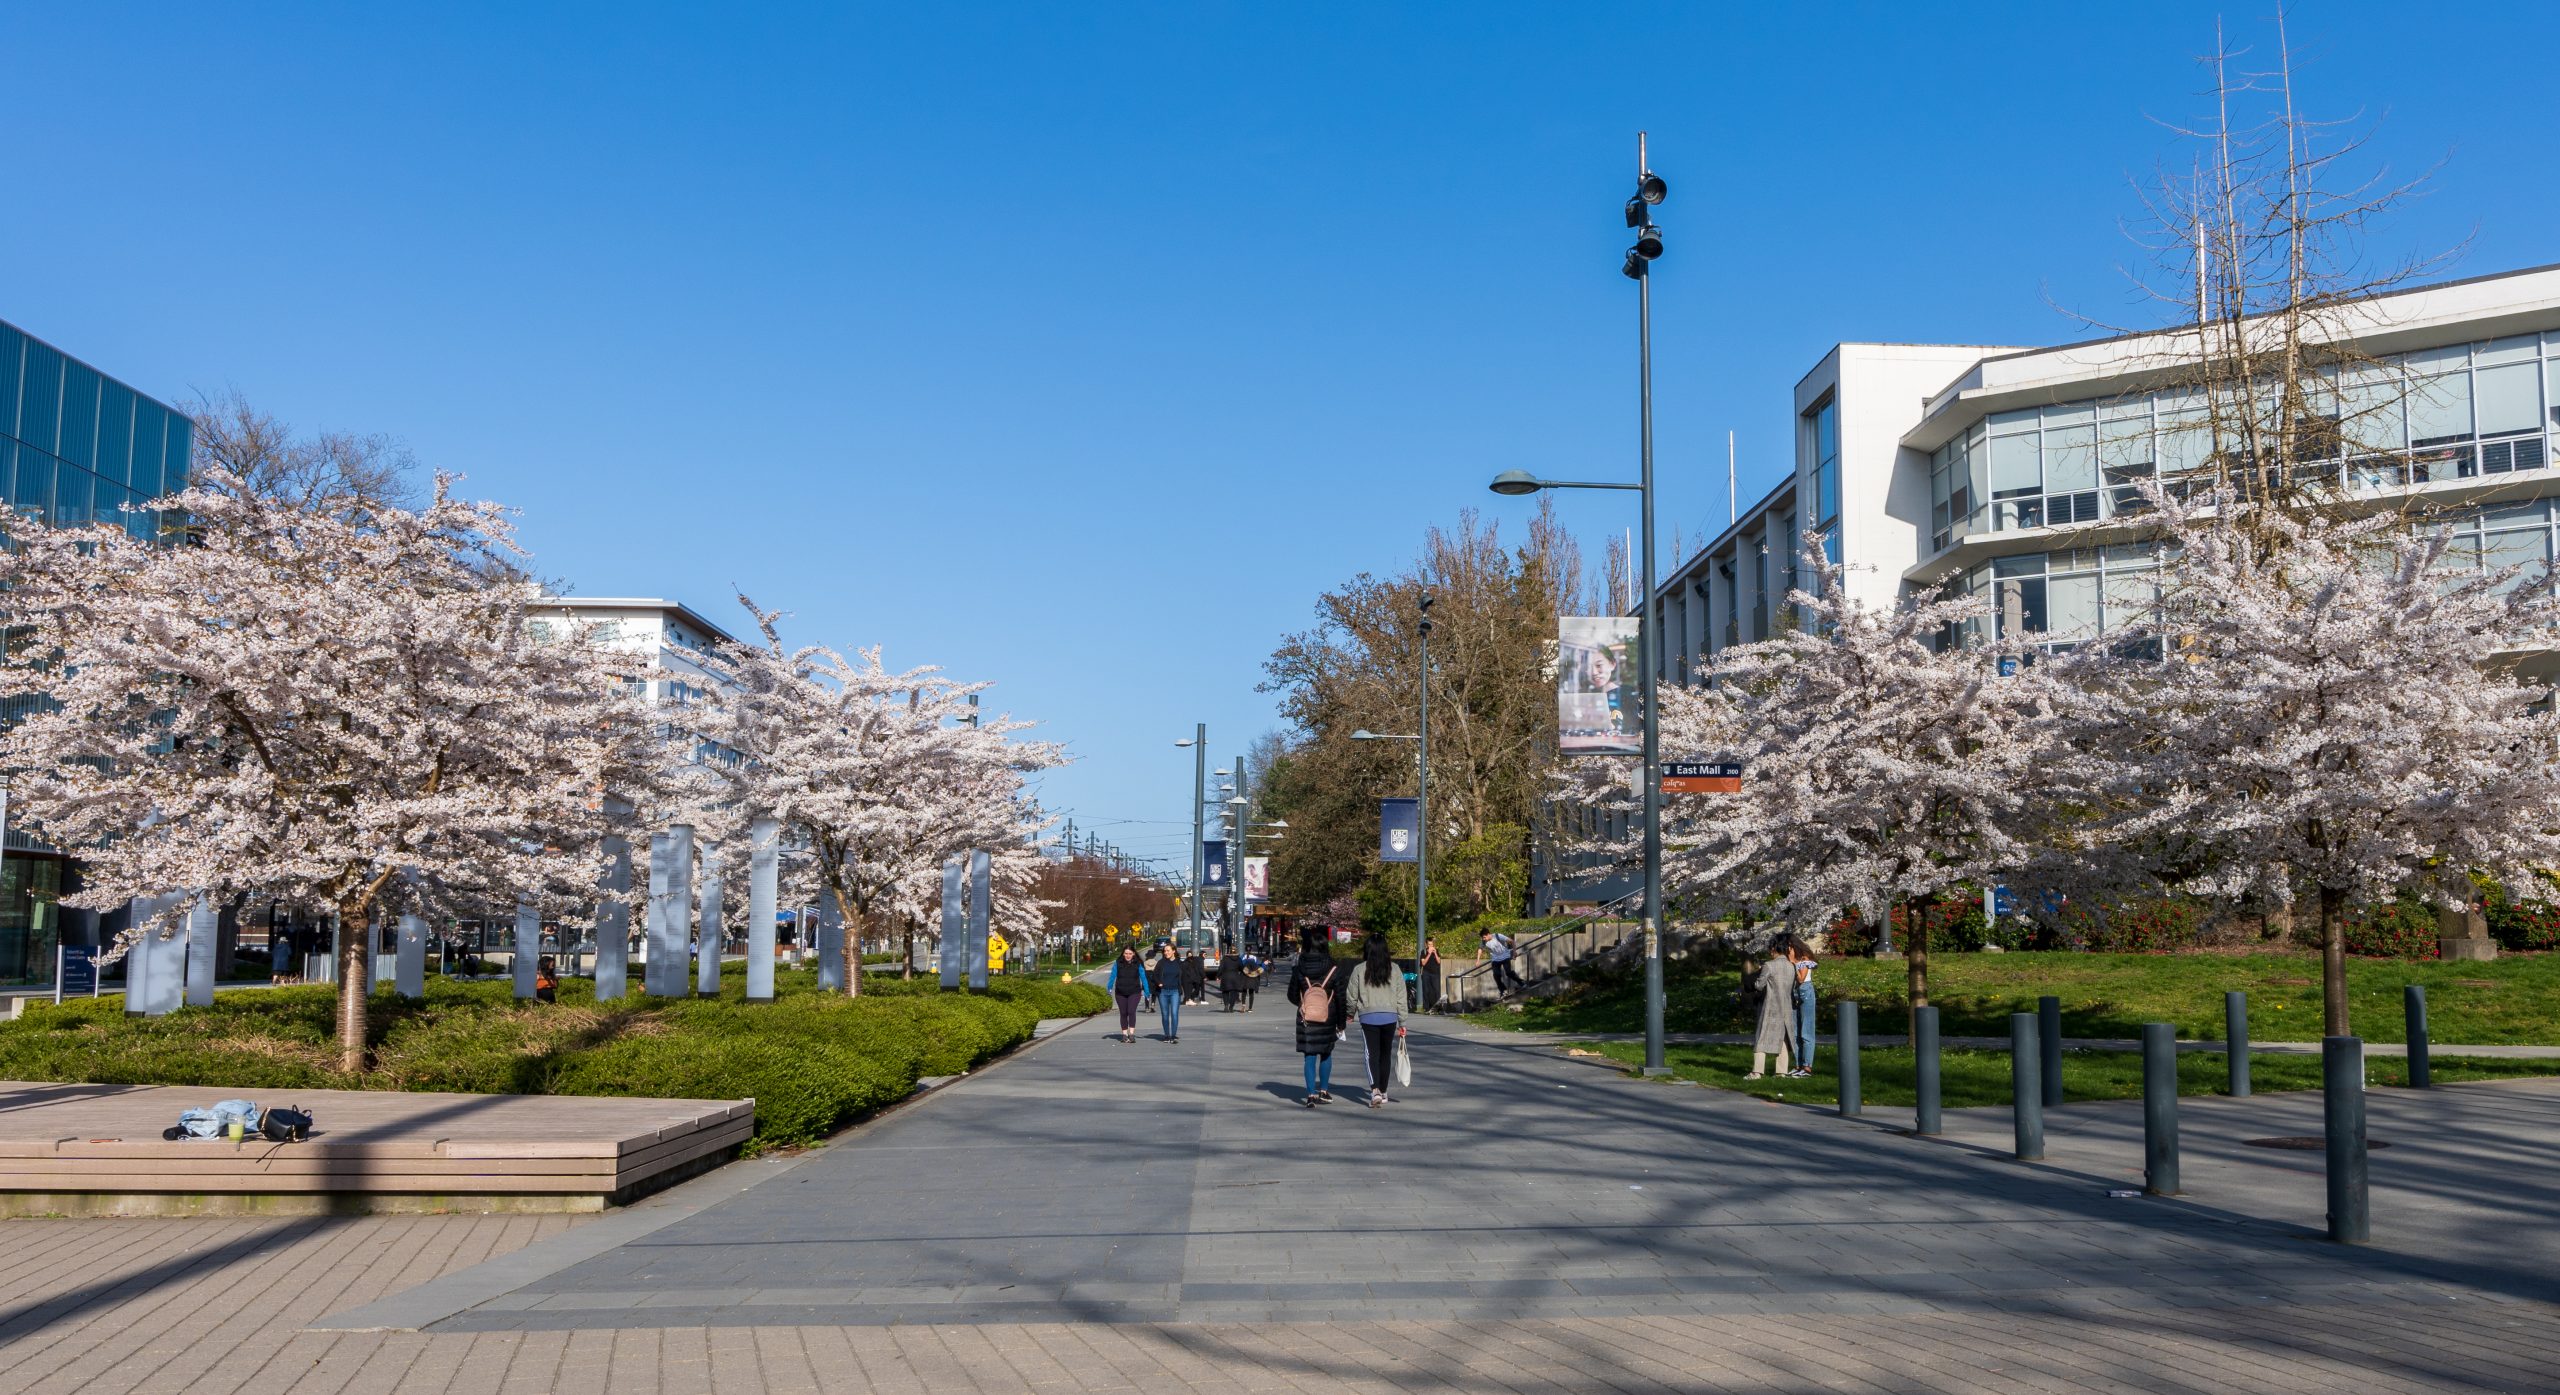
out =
column 1638, row 266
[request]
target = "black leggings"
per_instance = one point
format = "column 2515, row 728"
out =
column 1128, row 1010
column 1381, row 1042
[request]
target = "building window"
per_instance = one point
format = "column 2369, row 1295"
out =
column 1822, row 451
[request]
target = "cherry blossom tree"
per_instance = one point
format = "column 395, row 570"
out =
column 341, row 708
column 1883, row 766
column 2340, row 711
column 882, row 774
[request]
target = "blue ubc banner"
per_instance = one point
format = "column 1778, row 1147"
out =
column 1213, row 864
column 1399, row 830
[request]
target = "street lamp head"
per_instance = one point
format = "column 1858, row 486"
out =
column 1650, row 188
column 1186, row 741
column 1633, row 267
column 1516, row 482
column 1636, row 214
column 1649, row 242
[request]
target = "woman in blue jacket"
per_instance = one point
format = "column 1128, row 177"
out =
column 1129, row 987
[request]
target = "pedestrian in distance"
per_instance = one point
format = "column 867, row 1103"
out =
column 1128, row 983
column 1426, row 972
column 1377, row 999
column 1230, row 977
column 1800, row 1000
column 1168, row 983
column 1776, row 1028
column 1497, row 952
column 1253, row 972
column 546, row 980
column 1195, row 977
column 1316, row 990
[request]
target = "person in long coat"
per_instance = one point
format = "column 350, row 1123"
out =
column 1777, row 1024
column 1230, row 976
column 1316, row 1039
column 1195, row 977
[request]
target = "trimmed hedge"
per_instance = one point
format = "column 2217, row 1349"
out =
column 811, row 1061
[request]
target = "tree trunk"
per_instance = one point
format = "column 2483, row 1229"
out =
column 2333, row 962
column 355, row 964
column 1915, row 949
column 850, row 928
column 907, row 969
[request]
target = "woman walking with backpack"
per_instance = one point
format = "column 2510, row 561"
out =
column 1315, row 986
column 1377, row 999
column 1128, row 984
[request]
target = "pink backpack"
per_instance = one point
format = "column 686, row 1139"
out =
column 1315, row 1001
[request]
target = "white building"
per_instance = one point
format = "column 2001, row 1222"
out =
column 670, row 634
column 2009, row 469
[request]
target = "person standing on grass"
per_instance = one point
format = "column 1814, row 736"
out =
column 1315, row 989
column 1800, row 966
column 1128, row 984
column 1377, row 999
column 1168, row 982
column 1776, row 1028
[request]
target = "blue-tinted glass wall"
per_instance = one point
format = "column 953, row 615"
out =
column 76, row 445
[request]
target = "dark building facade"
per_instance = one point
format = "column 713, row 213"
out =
column 76, row 447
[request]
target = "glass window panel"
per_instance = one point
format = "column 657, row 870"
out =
column 2071, row 459
column 2186, row 440
column 2527, row 549
column 8, row 463
column 2029, row 564
column 2068, row 414
column 13, row 353
column 2015, row 467
column 72, row 505
column 2071, row 608
column 150, row 437
column 2126, row 445
column 173, row 455
column 40, row 397
column 2437, row 360
column 2509, row 399
column 2006, row 422
column 2551, row 393
column 2517, row 349
column 31, row 485
column 2440, row 409
column 115, row 432
column 2373, row 412
column 2130, row 597
column 1826, row 431
column 80, row 387
column 2023, row 598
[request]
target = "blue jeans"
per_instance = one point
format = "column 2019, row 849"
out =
column 1319, row 1074
column 1169, row 1007
column 1804, row 1026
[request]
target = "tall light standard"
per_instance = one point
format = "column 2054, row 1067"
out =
column 1650, row 190
column 1199, row 744
column 1421, row 815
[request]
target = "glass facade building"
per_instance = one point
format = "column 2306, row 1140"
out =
column 76, row 447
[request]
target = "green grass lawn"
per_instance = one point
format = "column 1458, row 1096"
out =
column 1971, row 1078
column 812, row 1061
column 2512, row 999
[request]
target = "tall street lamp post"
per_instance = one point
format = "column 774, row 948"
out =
column 1199, row 744
column 1650, row 190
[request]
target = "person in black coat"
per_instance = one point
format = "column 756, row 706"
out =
column 1315, row 968
column 1195, row 977
column 1230, row 976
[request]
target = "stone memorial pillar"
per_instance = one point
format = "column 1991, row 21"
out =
column 764, row 902
column 708, row 935
column 613, row 923
column 670, row 912
column 528, row 948
column 955, row 921
column 2464, row 934
column 409, row 958
column 981, row 918
column 154, row 969
column 203, row 923
column 830, row 944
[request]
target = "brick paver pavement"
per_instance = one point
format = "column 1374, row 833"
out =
column 1098, row 1217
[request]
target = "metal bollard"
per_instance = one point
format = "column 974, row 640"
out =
column 1850, row 1100
column 1924, row 1069
column 2413, row 1003
column 2159, row 1109
column 2026, row 1092
column 2235, row 1044
column 2342, row 1110
column 2049, row 1036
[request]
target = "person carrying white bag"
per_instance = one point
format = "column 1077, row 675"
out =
column 1376, row 999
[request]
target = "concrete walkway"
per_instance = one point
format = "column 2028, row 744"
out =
column 1160, row 1218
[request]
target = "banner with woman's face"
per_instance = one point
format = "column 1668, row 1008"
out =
column 1598, row 688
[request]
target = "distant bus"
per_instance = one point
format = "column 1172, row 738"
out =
column 1196, row 937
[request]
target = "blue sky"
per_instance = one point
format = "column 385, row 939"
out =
column 1078, row 347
